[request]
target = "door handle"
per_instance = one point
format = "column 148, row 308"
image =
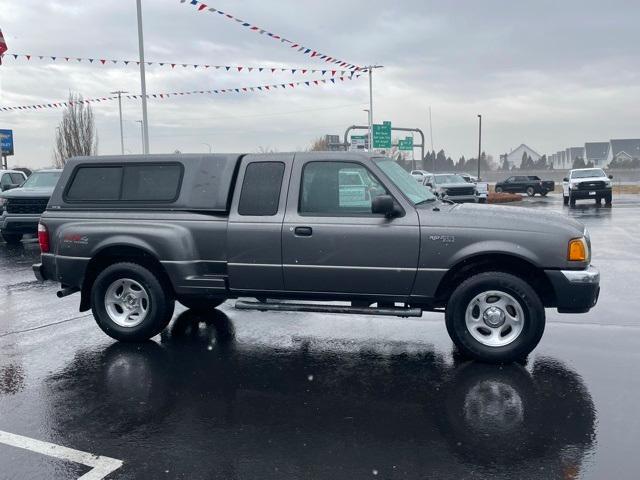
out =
column 303, row 231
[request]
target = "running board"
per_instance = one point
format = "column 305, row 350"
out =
column 321, row 308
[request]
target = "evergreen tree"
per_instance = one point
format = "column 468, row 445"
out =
column 578, row 163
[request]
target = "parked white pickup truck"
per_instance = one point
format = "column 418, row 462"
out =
column 586, row 183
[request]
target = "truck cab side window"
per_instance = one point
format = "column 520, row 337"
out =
column 338, row 188
column 261, row 187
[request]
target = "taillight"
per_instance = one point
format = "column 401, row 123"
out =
column 43, row 238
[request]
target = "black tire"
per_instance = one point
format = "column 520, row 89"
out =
column 159, row 307
column 572, row 200
column 544, row 192
column 530, row 191
column 12, row 238
column 499, row 190
column 202, row 304
column 608, row 199
column 565, row 200
column 527, row 299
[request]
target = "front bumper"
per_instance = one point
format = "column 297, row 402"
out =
column 461, row 198
column 596, row 193
column 576, row 291
column 19, row 223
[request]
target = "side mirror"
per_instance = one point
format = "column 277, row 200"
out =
column 565, row 179
column 610, row 177
column 383, row 204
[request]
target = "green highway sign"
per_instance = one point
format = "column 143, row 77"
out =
column 382, row 135
column 406, row 144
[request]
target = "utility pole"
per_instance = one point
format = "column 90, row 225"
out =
column 119, row 93
column 141, row 122
column 370, row 69
column 370, row 142
column 143, row 82
column 479, row 142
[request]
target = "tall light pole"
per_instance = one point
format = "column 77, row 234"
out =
column 370, row 69
column 143, row 82
column 370, row 141
column 141, row 122
column 119, row 93
column 208, row 145
column 479, row 142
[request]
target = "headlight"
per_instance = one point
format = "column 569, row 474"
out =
column 2, row 202
column 578, row 250
column 607, row 183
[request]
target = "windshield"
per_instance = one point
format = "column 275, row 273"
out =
column 42, row 179
column 592, row 172
column 440, row 179
column 404, row 181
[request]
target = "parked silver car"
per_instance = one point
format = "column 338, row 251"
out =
column 451, row 186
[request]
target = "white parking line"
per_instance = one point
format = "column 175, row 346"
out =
column 101, row 466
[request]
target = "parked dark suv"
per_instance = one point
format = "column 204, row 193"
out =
column 24, row 205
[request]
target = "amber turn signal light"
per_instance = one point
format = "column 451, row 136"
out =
column 577, row 250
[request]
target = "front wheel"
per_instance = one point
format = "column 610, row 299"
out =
column 565, row 200
column 12, row 238
column 530, row 191
column 495, row 317
column 130, row 302
column 572, row 200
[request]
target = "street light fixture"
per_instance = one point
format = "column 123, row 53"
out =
column 143, row 81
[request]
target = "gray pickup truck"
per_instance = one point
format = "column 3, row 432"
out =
column 294, row 231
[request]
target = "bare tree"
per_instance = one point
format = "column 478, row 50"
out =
column 319, row 145
column 76, row 135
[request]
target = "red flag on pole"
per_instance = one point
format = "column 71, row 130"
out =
column 3, row 46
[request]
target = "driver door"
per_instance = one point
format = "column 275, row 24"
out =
column 332, row 243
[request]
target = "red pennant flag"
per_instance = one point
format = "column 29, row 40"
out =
column 304, row 71
column 3, row 46
column 102, row 61
column 202, row 7
column 239, row 69
column 28, row 57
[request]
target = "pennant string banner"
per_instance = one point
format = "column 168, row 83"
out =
column 284, row 41
column 162, row 96
column 173, row 65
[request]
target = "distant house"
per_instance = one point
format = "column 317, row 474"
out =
column 622, row 149
column 514, row 157
column 596, row 152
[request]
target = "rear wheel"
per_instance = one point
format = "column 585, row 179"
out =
column 12, row 238
column 499, row 190
column 530, row 191
column 495, row 317
column 130, row 302
column 565, row 200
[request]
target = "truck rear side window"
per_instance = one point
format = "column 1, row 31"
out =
column 261, row 187
column 95, row 183
column 127, row 183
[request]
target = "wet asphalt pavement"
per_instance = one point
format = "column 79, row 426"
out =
column 242, row 395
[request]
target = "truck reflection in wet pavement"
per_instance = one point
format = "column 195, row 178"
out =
column 204, row 405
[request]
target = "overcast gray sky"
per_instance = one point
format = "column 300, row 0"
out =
column 547, row 73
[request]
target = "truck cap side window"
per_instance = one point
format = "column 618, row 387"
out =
column 338, row 188
column 261, row 187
